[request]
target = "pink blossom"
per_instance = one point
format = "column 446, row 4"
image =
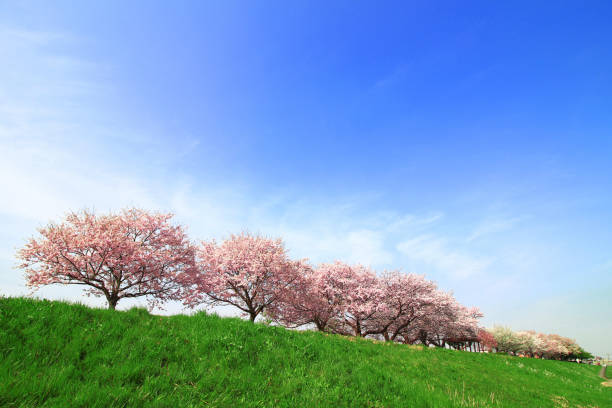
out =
column 245, row 271
column 130, row 254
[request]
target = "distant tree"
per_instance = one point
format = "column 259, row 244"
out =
column 463, row 330
column 573, row 349
column 445, row 322
column 583, row 354
column 559, row 347
column 245, row 271
column 530, row 343
column 507, row 340
column 487, row 340
column 130, row 254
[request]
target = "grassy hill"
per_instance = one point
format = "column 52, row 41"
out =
column 65, row 355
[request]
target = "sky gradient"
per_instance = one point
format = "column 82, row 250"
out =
column 472, row 143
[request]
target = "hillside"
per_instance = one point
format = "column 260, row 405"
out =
column 58, row 354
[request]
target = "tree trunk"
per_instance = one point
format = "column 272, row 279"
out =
column 252, row 316
column 358, row 329
column 112, row 303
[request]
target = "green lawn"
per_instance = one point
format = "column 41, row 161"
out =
column 64, row 355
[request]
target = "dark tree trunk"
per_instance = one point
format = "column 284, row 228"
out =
column 358, row 329
column 112, row 299
column 112, row 303
column 423, row 336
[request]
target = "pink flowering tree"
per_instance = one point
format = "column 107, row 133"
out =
column 486, row 339
column 435, row 321
column 558, row 347
column 334, row 297
column 406, row 300
column 444, row 322
column 540, row 345
column 245, row 271
column 462, row 332
column 130, row 254
column 311, row 299
column 359, row 296
column 530, row 343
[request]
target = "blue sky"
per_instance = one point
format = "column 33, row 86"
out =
column 470, row 142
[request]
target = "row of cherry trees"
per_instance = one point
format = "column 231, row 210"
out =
column 137, row 253
column 532, row 344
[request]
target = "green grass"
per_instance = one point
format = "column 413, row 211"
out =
column 57, row 354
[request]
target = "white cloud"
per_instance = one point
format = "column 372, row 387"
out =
column 435, row 251
column 18, row 36
column 492, row 226
column 42, row 181
column 606, row 266
column 367, row 247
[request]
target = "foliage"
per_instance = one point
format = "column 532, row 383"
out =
column 54, row 354
column 131, row 254
column 487, row 340
column 507, row 340
column 585, row 355
column 245, row 271
column 353, row 300
column 360, row 298
column 530, row 343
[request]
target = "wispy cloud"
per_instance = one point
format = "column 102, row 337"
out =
column 399, row 73
column 435, row 251
column 492, row 226
column 318, row 229
column 19, row 37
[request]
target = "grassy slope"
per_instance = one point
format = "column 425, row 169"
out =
column 57, row 354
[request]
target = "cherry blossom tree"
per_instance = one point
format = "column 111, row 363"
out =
column 406, row 299
column 311, row 299
column 435, row 322
column 559, row 347
column 335, row 297
column 540, row 345
column 358, row 295
column 507, row 340
column 464, row 328
column 530, row 343
column 486, row 339
column 573, row 349
column 130, row 254
column 245, row 271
